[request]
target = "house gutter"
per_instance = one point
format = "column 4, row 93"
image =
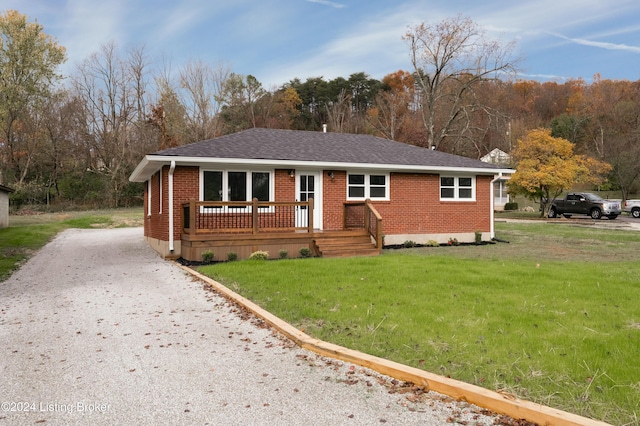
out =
column 493, row 206
column 151, row 163
column 171, row 170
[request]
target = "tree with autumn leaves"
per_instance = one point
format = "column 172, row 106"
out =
column 29, row 59
column 452, row 60
column 55, row 145
column 547, row 166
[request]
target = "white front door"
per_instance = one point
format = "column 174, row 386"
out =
column 309, row 185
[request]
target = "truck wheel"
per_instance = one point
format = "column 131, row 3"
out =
column 635, row 212
column 596, row 214
column 552, row 213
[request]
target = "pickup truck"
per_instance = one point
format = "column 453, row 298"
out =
column 632, row 207
column 584, row 203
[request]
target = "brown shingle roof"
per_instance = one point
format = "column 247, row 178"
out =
column 305, row 146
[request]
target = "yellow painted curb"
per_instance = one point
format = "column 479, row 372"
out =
column 497, row 402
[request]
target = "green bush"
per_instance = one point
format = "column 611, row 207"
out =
column 259, row 255
column 283, row 254
column 29, row 194
column 511, row 206
column 207, row 256
column 232, row 256
column 85, row 189
column 409, row 244
column 305, row 252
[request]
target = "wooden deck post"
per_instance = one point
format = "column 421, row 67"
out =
column 310, row 216
column 254, row 215
column 193, row 226
column 379, row 234
column 366, row 214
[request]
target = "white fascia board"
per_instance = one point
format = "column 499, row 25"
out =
column 142, row 171
column 135, row 175
column 151, row 163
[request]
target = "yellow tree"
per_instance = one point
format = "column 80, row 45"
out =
column 279, row 108
column 547, row 166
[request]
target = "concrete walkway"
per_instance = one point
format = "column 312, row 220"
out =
column 97, row 329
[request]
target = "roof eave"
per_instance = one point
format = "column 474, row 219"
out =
column 145, row 169
column 151, row 163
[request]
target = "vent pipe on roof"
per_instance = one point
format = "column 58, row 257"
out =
column 324, row 128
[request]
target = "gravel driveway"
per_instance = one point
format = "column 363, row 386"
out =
column 97, row 329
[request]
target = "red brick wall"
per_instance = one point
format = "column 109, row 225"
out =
column 155, row 218
column 285, row 186
column 414, row 206
column 186, row 187
column 334, row 194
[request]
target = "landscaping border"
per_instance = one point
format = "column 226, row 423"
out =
column 498, row 402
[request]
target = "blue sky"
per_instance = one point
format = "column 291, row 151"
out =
column 278, row 40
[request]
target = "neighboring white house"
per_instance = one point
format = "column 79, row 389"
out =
column 500, row 195
column 4, row 206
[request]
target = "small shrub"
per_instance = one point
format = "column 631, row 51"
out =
column 232, row 256
column 207, row 256
column 283, row 254
column 259, row 255
column 409, row 244
column 433, row 243
column 453, row 242
column 305, row 252
column 478, row 237
column 511, row 206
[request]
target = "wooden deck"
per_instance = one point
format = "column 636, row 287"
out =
column 244, row 228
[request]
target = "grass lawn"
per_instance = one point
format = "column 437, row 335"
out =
column 28, row 233
column 552, row 317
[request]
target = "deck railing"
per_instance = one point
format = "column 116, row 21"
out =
column 206, row 217
column 363, row 215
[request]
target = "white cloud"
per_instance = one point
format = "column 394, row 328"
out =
column 327, row 3
column 548, row 77
column 373, row 44
column 283, row 39
column 600, row 44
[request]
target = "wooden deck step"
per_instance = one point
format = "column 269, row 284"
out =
column 348, row 244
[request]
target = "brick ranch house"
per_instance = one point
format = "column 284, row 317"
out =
column 334, row 194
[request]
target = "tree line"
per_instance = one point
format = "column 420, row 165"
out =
column 73, row 140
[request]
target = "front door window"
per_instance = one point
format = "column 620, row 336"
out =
column 307, row 187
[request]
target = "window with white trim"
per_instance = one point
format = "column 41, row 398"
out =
column 218, row 185
column 361, row 186
column 457, row 188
